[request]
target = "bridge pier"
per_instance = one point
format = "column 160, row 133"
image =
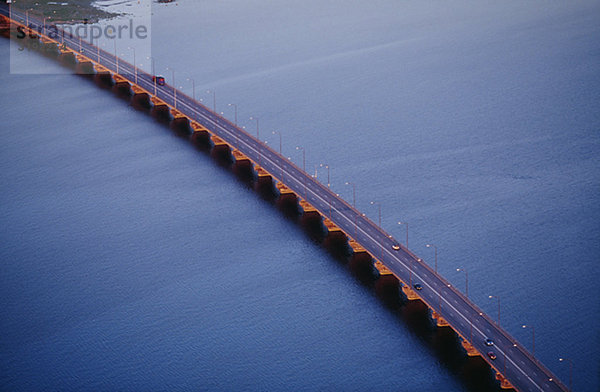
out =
column 221, row 151
column 361, row 262
column 103, row 77
column 336, row 241
column 312, row 221
column 140, row 99
column 84, row 66
column 180, row 124
column 49, row 47
column 410, row 293
column 160, row 110
column 122, row 87
column 365, row 266
column 68, row 58
column 287, row 201
column 471, row 351
column 200, row 136
column 264, row 184
column 504, row 383
column 243, row 167
column 440, row 321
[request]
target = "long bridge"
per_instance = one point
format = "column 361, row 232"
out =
column 515, row 367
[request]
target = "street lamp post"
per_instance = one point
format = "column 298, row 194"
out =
column 497, row 298
column 280, row 143
column 353, row 193
column 174, row 88
column 235, row 111
column 303, row 167
column 258, row 139
column 328, row 174
column 257, row 128
column 153, row 74
column 354, row 205
column 303, row 157
column 466, row 280
column 532, row 337
column 280, row 139
column 214, row 99
column 134, row 65
column 116, row 57
column 193, row 88
column 328, row 198
column 405, row 223
column 379, row 206
column 435, row 248
column 570, row 371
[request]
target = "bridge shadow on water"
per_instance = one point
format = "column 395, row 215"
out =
column 415, row 315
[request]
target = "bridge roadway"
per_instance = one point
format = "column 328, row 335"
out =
column 513, row 361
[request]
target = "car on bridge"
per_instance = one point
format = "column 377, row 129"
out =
column 489, row 342
column 395, row 246
column 418, row 286
column 492, row 355
column 160, row 80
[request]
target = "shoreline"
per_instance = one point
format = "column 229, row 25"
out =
column 73, row 12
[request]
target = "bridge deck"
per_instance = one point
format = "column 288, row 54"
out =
column 338, row 216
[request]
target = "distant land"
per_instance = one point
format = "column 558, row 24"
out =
column 67, row 12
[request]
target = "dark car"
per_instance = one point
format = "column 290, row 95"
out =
column 418, row 286
column 489, row 342
column 159, row 80
column 492, row 355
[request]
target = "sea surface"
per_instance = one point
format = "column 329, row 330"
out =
column 130, row 261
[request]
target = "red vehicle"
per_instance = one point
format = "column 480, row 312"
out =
column 158, row 80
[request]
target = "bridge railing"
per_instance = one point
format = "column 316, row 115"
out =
column 357, row 214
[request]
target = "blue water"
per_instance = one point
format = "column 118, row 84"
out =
column 132, row 262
